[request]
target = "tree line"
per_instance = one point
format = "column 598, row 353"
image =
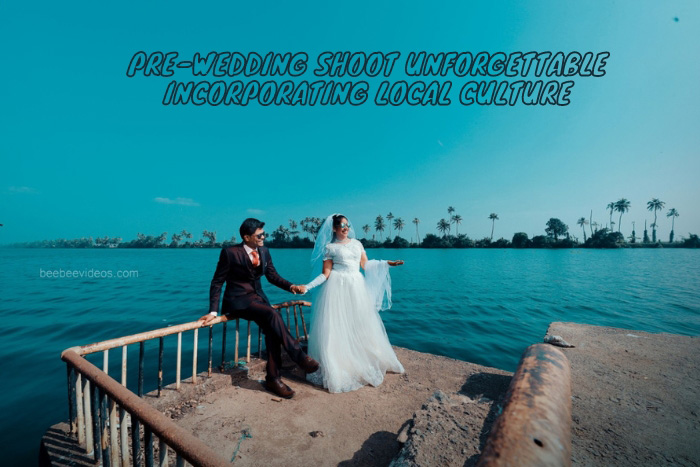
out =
column 302, row 234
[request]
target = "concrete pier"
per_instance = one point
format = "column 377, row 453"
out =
column 635, row 401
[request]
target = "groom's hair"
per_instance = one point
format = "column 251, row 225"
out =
column 249, row 226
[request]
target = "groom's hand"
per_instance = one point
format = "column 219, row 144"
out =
column 206, row 319
column 298, row 289
column 395, row 263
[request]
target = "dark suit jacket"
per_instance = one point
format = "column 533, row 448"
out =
column 242, row 279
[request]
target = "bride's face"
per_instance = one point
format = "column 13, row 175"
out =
column 342, row 230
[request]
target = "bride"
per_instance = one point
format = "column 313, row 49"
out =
column 347, row 334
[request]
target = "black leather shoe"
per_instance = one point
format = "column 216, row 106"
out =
column 276, row 386
column 309, row 365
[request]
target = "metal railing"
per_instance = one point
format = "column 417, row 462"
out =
column 99, row 406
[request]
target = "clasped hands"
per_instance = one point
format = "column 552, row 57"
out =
column 298, row 289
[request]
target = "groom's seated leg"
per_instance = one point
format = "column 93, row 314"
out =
column 273, row 325
column 274, row 356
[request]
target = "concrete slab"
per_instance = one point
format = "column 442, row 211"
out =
column 636, row 396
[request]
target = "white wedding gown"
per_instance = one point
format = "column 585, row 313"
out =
column 347, row 336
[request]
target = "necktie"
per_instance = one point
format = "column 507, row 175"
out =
column 256, row 259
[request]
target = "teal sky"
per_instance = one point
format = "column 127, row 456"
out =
column 87, row 151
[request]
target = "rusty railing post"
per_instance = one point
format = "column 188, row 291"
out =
column 535, row 426
column 211, row 348
column 141, row 358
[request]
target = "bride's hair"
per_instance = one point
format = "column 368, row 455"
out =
column 336, row 220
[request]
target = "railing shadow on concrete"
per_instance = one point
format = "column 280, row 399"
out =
column 100, row 408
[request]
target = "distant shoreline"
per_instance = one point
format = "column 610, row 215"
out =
column 430, row 242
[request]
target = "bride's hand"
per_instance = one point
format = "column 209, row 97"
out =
column 395, row 263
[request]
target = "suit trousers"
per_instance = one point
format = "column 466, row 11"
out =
column 276, row 335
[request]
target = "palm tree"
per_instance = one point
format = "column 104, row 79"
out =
column 582, row 222
column 590, row 220
column 186, row 234
column 611, row 206
column 306, row 226
column 293, row 227
column 450, row 210
column 456, row 220
column 379, row 225
column 646, row 234
column 443, row 226
column 654, row 205
column 416, row 221
column 209, row 235
column 494, row 217
column 389, row 217
column 399, row 224
column 621, row 206
column 176, row 240
column 672, row 213
column 365, row 229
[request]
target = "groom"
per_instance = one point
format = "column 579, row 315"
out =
column 241, row 267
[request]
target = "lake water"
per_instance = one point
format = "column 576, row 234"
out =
column 482, row 306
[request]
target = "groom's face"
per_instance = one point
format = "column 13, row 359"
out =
column 255, row 240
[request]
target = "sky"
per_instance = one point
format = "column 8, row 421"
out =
column 86, row 150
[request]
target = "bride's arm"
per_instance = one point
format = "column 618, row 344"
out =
column 321, row 278
column 363, row 261
column 327, row 267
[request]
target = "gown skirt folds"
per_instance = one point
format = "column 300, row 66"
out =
column 347, row 336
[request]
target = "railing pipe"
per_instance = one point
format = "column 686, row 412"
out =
column 194, row 356
column 303, row 325
column 113, row 434
column 70, row 377
column 247, row 356
column 296, row 321
column 104, row 429
column 535, row 426
column 178, row 361
column 96, row 423
column 235, row 353
column 148, row 441
column 124, row 365
column 148, row 335
column 144, row 336
column 89, row 443
column 123, row 437
column 161, row 346
column 142, row 351
column 93, row 409
column 183, row 442
column 223, row 348
column 135, row 441
column 211, row 349
column 80, row 410
column 162, row 454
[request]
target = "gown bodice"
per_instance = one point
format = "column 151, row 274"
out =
column 345, row 256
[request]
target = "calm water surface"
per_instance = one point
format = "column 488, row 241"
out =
column 483, row 306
